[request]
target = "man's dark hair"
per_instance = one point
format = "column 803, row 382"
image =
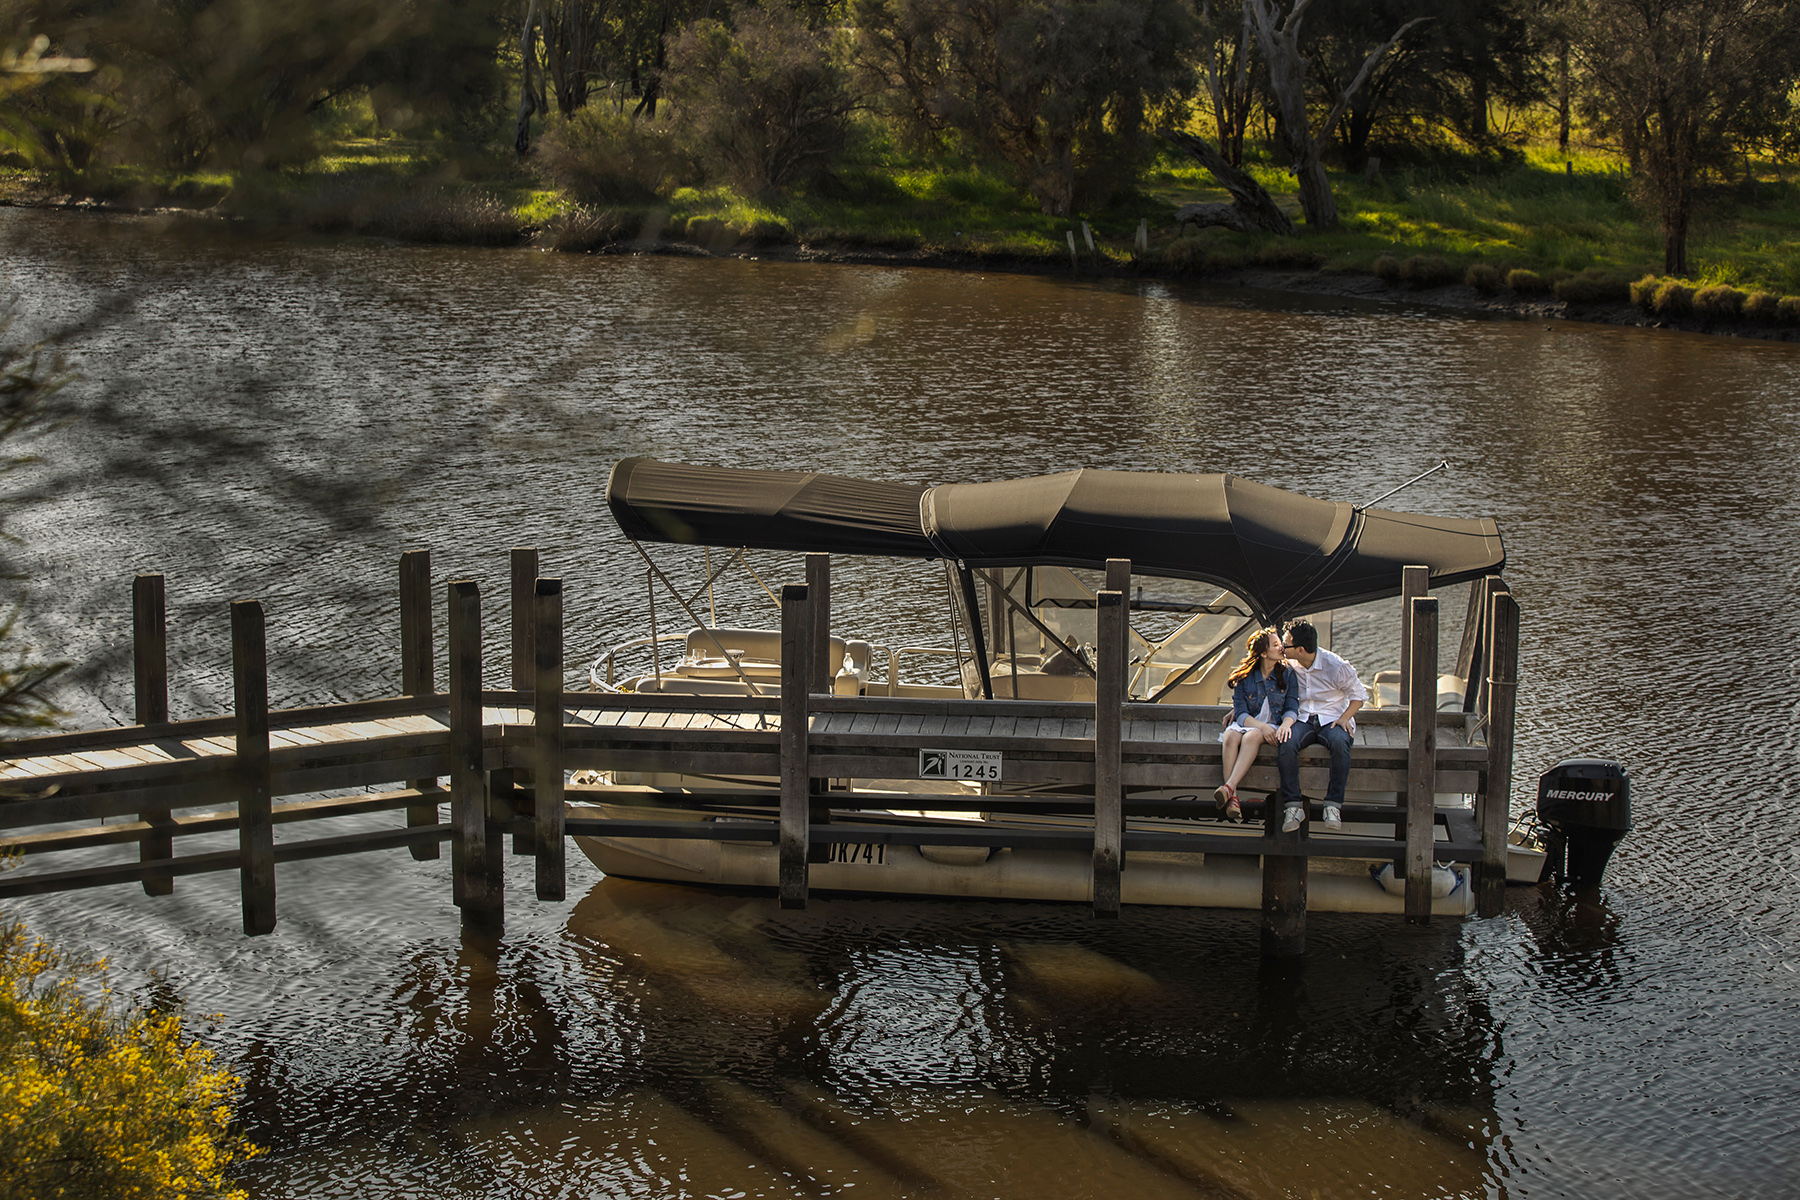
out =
column 1304, row 635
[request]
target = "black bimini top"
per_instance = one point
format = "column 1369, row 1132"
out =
column 1282, row 553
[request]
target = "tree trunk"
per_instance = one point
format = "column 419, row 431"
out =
column 1253, row 207
column 1562, row 97
column 528, row 103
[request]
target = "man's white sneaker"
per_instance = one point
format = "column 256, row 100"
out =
column 1293, row 818
column 1331, row 818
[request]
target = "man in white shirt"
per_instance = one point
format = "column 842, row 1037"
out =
column 1330, row 695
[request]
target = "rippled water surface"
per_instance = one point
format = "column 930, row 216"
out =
column 281, row 420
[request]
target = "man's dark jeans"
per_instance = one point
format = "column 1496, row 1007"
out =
column 1287, row 757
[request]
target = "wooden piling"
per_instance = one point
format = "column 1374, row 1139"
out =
column 509, row 792
column 795, row 778
column 478, row 888
column 1468, row 659
column 1109, row 823
column 250, row 770
column 818, row 600
column 1496, row 797
column 150, row 658
column 1421, row 772
column 1414, row 581
column 1284, row 890
column 417, row 671
column 547, row 696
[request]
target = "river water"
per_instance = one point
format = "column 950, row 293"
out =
column 281, row 420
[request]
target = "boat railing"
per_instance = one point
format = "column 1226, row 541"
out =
column 603, row 673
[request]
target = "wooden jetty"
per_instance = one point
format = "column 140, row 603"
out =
column 499, row 759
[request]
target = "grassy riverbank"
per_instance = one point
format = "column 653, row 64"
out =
column 1549, row 231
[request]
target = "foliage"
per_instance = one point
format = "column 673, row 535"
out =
column 1679, row 85
column 762, row 100
column 1484, row 278
column 1429, row 271
column 1718, row 303
column 605, row 157
column 100, row 1103
column 1762, row 306
column 1527, row 282
column 1593, row 286
column 1673, row 299
column 1066, row 92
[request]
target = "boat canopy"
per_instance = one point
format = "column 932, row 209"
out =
column 1283, row 553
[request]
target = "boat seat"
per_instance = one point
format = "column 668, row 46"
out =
column 758, row 654
column 1036, row 686
column 1384, row 692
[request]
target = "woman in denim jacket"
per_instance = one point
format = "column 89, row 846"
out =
column 1265, row 703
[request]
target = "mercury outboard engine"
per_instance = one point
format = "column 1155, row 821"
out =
column 1584, row 805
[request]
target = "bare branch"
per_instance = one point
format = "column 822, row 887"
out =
column 1362, row 77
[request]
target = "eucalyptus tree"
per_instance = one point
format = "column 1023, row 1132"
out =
column 1278, row 32
column 1066, row 92
column 1680, row 85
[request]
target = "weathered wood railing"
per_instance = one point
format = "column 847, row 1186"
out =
column 506, row 755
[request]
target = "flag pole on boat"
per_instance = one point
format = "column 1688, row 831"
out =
column 1443, row 466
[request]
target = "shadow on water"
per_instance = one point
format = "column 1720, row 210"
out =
column 722, row 1046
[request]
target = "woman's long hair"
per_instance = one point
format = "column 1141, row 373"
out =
column 1253, row 659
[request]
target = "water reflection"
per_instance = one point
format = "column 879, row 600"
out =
column 623, row 1044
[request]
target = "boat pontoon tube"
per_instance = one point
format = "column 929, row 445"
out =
column 1281, row 552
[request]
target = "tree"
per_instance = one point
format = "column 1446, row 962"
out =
column 1678, row 83
column 1065, row 92
column 1278, row 35
column 1225, row 61
column 95, row 1103
column 764, row 101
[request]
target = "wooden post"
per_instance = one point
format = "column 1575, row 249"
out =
column 795, row 782
column 150, row 656
column 417, row 668
column 1467, row 660
column 547, row 790
column 478, row 889
column 1118, row 579
column 1496, row 797
column 524, row 611
column 510, row 791
column 256, row 833
column 1284, row 890
column 1421, row 758
column 818, row 598
column 1484, row 647
column 1414, row 581
column 1109, row 824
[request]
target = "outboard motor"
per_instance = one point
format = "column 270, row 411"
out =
column 1584, row 805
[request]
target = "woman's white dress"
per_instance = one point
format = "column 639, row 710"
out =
column 1239, row 725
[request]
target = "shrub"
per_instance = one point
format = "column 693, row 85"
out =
column 1643, row 292
column 435, row 214
column 1387, row 269
column 1673, row 299
column 1718, row 303
column 1527, row 283
column 1424, row 271
column 1593, row 286
column 582, row 229
column 765, row 103
column 1761, row 306
column 94, row 1102
column 1788, row 310
column 1286, row 252
column 1484, row 279
column 603, row 157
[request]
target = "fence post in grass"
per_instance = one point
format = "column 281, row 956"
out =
column 477, row 883
column 795, row 779
column 417, row 677
column 150, row 658
column 1421, row 757
column 1496, row 798
column 250, row 768
column 547, row 696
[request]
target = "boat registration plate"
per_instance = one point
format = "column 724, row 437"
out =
column 960, row 764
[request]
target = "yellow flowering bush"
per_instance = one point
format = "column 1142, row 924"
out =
column 95, row 1102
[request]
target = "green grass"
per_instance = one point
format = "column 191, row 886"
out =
column 1560, row 215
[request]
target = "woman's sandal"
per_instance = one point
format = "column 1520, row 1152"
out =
column 1233, row 813
column 1223, row 799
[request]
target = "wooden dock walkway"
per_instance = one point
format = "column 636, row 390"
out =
column 499, row 761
